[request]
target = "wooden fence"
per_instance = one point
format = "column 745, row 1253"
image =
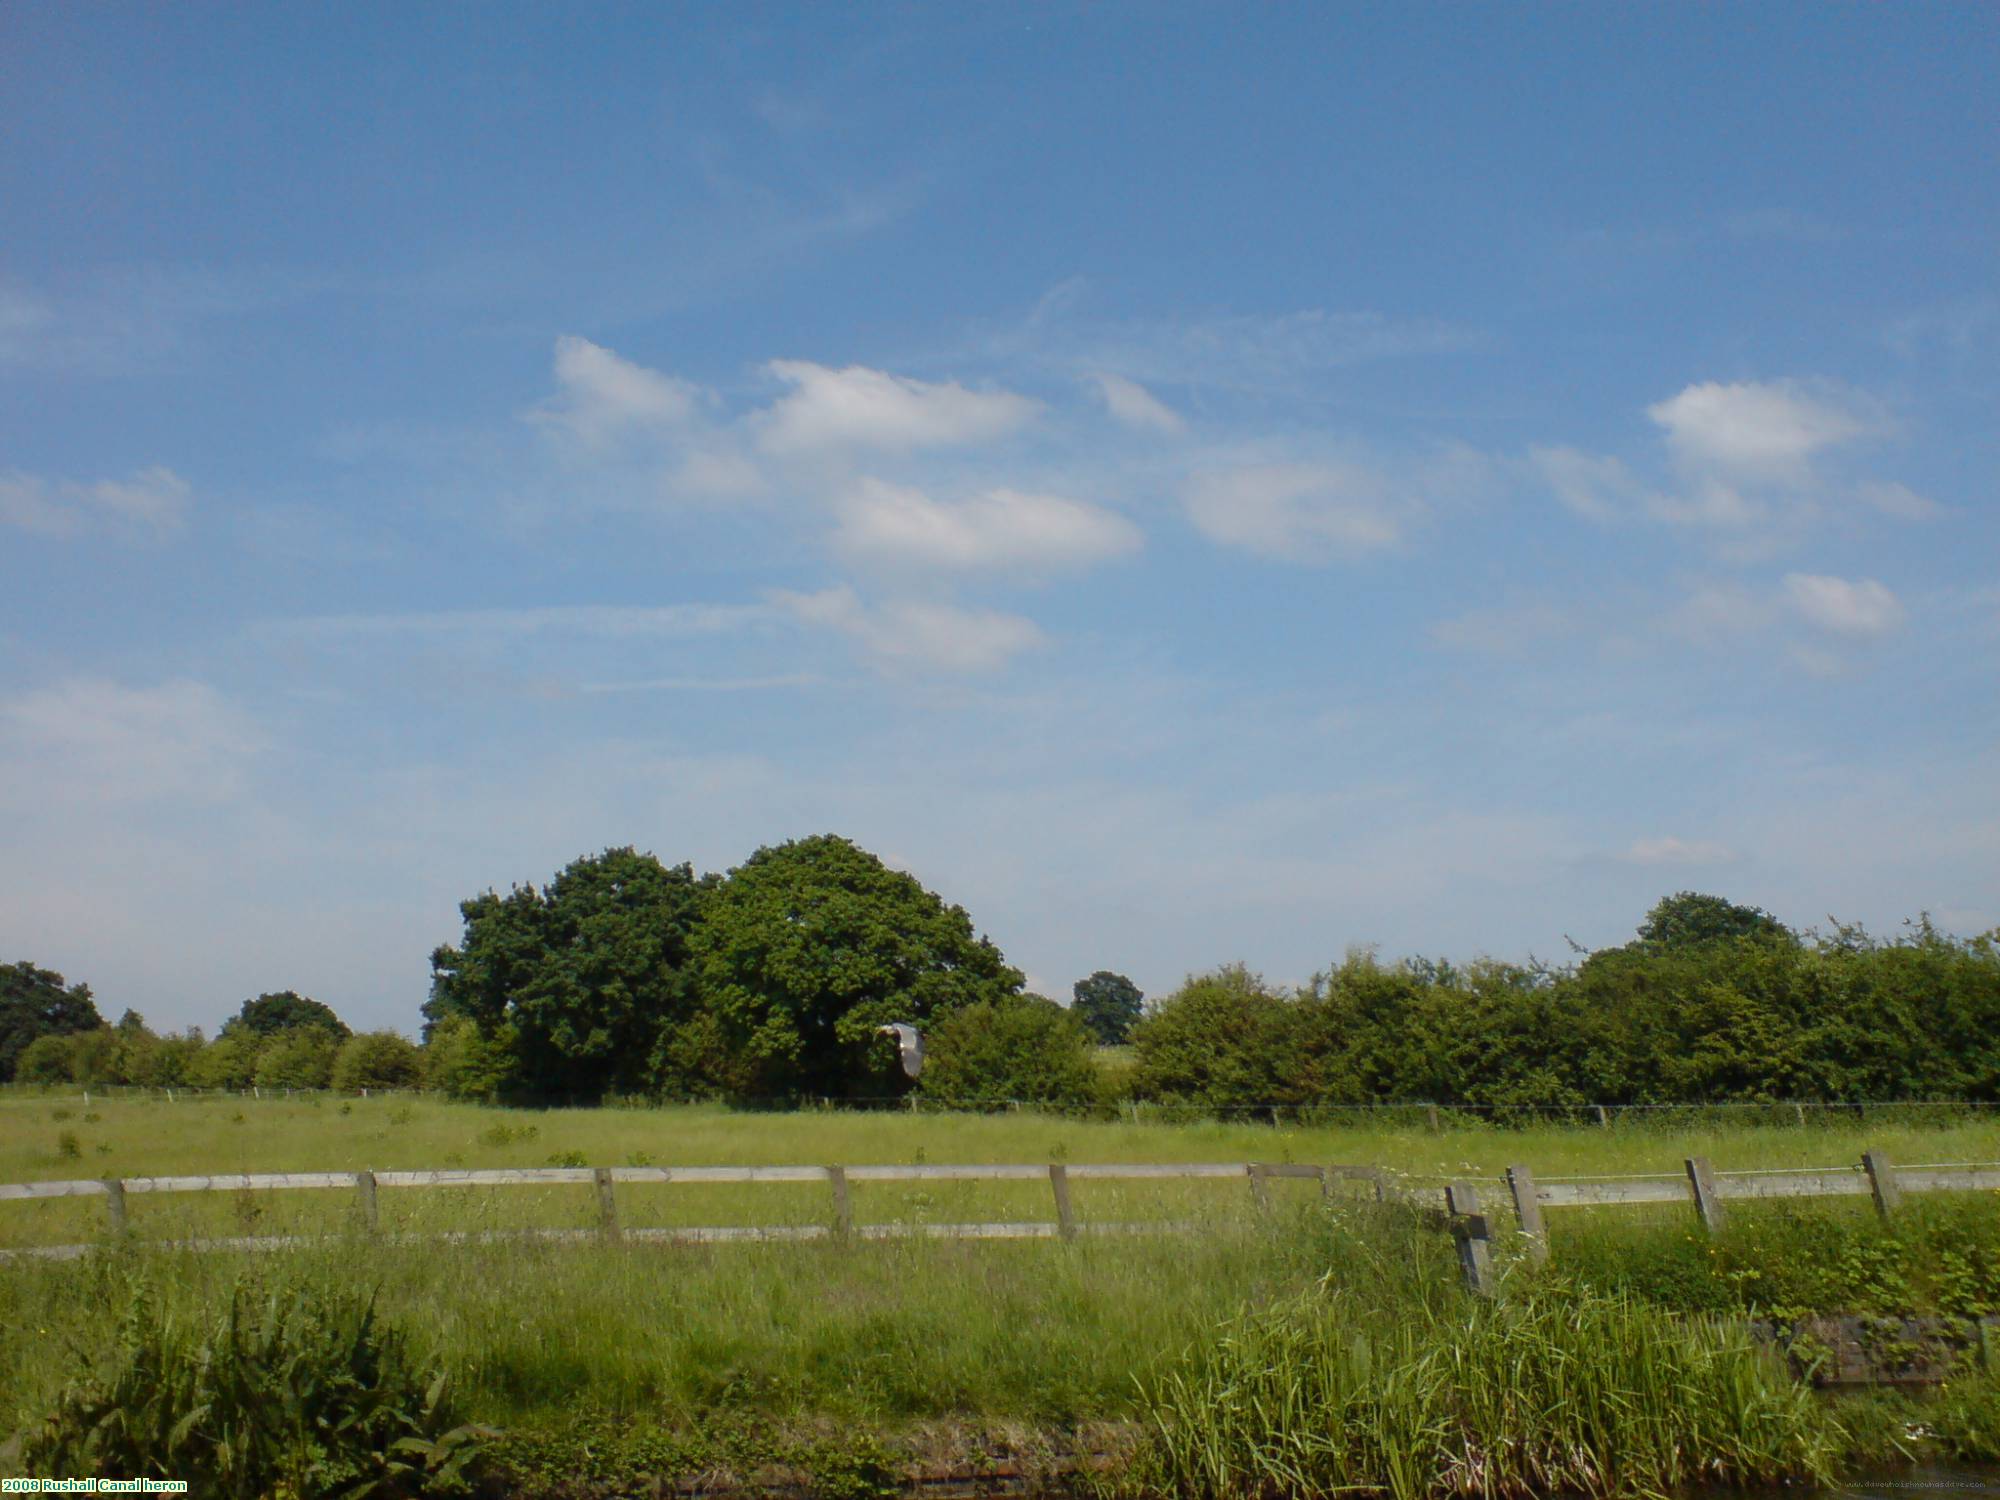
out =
column 1457, row 1205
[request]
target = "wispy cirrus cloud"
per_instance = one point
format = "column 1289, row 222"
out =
column 1298, row 512
column 859, row 408
column 1001, row 529
column 917, row 633
column 150, row 504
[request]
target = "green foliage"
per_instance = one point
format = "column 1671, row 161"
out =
column 461, row 1062
column 806, row 948
column 283, row 1010
column 301, row 1058
column 1551, row 1391
column 582, row 975
column 1108, row 1005
column 376, row 1060
column 45, row 1060
column 1749, row 1016
column 228, row 1062
column 37, row 1003
column 293, row 1391
column 1690, row 919
column 94, row 1056
column 1016, row 1047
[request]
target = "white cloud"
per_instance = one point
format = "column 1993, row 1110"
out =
column 1767, row 432
column 917, row 633
column 999, row 529
column 1135, row 406
column 94, row 741
column 152, row 502
column 1673, row 851
column 1503, row 631
column 857, row 407
column 604, row 620
column 1599, row 488
column 1297, row 512
column 602, row 394
column 1898, row 501
column 1859, row 608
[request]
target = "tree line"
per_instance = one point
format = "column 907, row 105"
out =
column 626, row 976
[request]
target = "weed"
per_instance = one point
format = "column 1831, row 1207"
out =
column 68, row 1147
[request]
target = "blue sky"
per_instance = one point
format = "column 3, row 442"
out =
column 1189, row 484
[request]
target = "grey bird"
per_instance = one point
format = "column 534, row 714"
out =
column 909, row 1042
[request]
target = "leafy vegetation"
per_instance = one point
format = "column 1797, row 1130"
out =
column 1108, row 1005
column 291, row 1389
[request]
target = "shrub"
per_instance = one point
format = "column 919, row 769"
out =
column 376, row 1060
column 462, row 1062
column 44, row 1060
column 294, row 1391
column 1017, row 1047
column 298, row 1059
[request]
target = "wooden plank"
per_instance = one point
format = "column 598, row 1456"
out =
column 237, row 1182
column 1585, row 1194
column 843, row 1206
column 1260, row 1192
column 1528, row 1209
column 1948, row 1179
column 1294, row 1169
column 51, row 1189
column 718, row 1174
column 488, row 1177
column 1707, row 1200
column 1059, row 1185
column 1470, row 1231
column 1882, row 1183
column 1833, row 1183
column 607, row 1204
column 977, row 1173
column 1135, row 1171
column 1345, row 1173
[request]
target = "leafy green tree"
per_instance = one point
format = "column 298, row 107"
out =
column 1689, row 918
column 460, row 1062
column 583, row 975
column 808, row 947
column 37, row 1002
column 284, row 1010
column 376, row 1060
column 1108, row 1005
column 46, row 1059
column 1016, row 1047
column 301, row 1058
column 228, row 1062
column 94, row 1056
column 1221, row 1039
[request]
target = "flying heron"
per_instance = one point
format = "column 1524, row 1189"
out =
column 909, row 1043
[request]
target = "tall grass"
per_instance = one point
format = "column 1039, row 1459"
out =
column 1556, row 1390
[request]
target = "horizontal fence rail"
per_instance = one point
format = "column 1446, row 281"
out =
column 1698, row 1183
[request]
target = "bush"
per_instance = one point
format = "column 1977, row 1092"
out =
column 295, row 1391
column 45, row 1060
column 298, row 1059
column 459, row 1061
column 228, row 1062
column 376, row 1060
column 1018, row 1047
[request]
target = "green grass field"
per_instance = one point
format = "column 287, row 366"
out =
column 908, row 1336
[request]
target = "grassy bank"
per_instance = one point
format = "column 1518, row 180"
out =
column 847, row 1359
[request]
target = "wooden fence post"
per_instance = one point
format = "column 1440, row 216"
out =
column 843, row 1206
column 1528, row 1207
column 364, row 1186
column 114, row 1204
column 1431, row 1112
column 1882, row 1183
column 1707, row 1200
column 607, row 1203
column 1260, row 1190
column 1059, row 1183
column 1603, row 1117
column 1470, row 1229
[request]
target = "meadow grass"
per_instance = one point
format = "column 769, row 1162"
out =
column 44, row 1138
column 602, row 1344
